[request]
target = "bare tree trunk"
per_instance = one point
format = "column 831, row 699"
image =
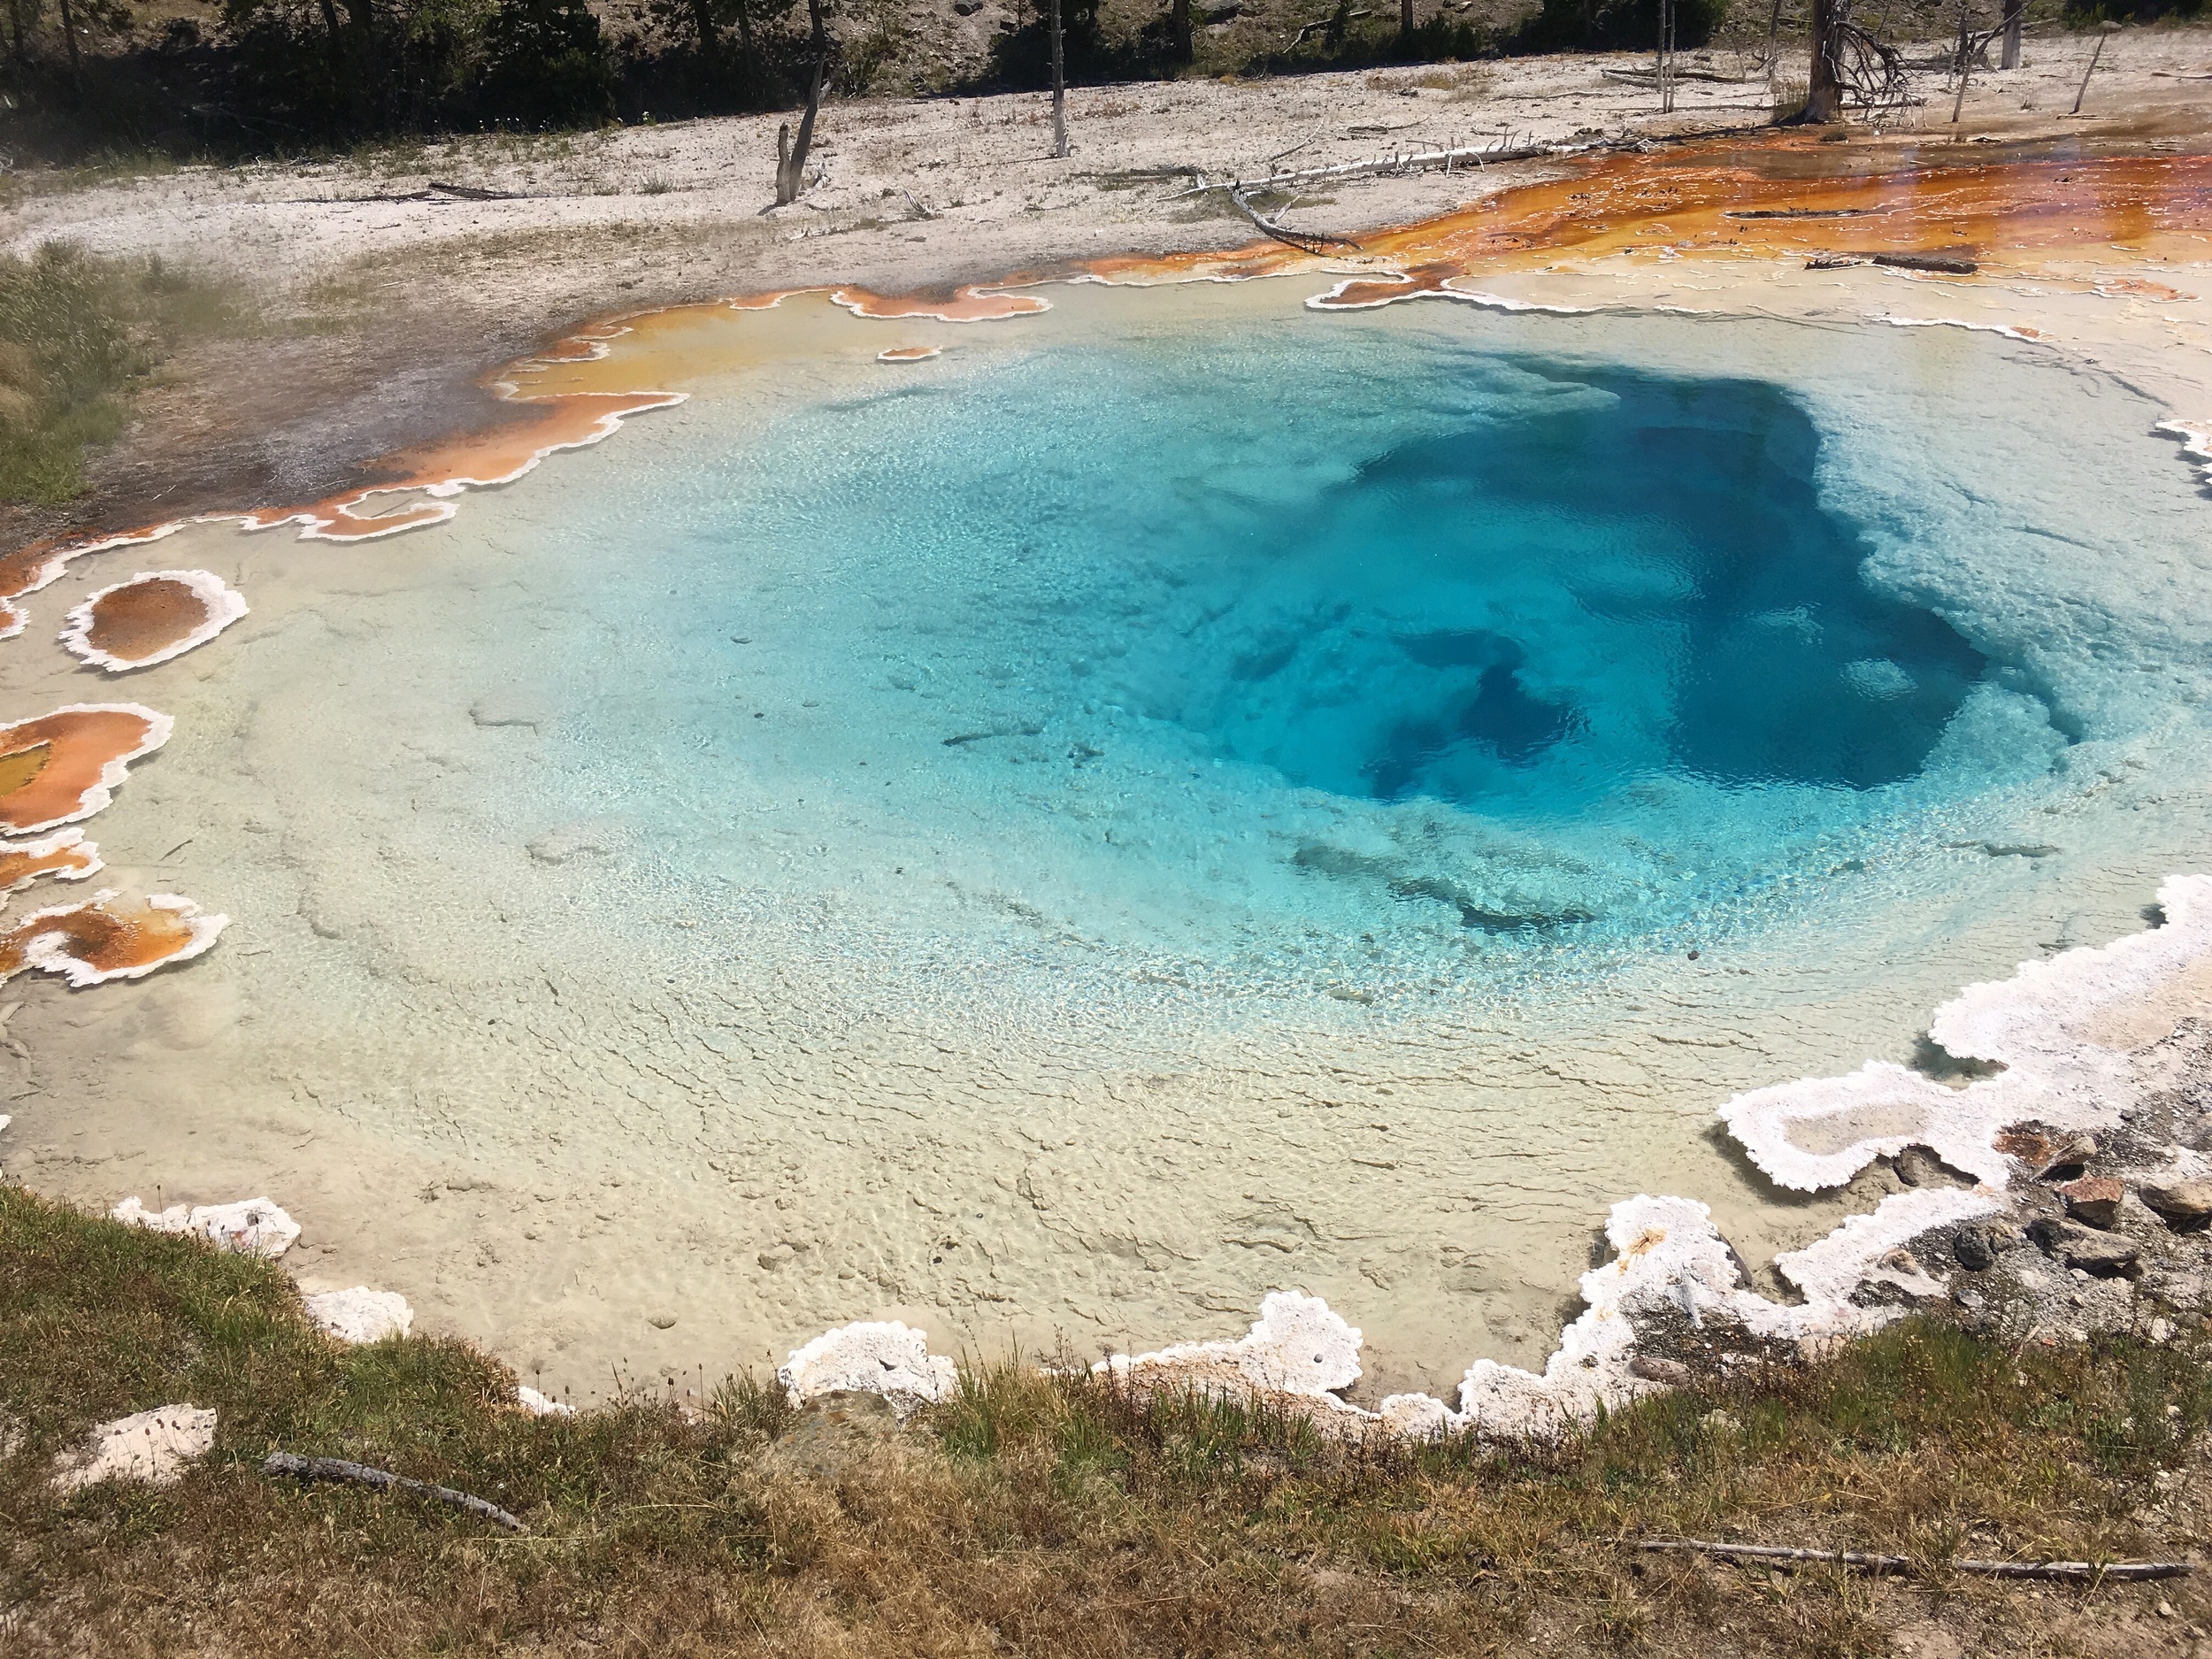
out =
column 1178, row 26
column 2015, row 19
column 1823, row 92
column 791, row 156
column 745, row 35
column 710, row 34
column 1405, row 26
column 1664, row 58
column 1059, row 89
column 1774, row 46
column 1964, row 51
column 15, row 22
column 2084, row 90
column 76, row 75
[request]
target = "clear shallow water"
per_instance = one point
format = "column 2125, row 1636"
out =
column 1354, row 723
column 1393, row 639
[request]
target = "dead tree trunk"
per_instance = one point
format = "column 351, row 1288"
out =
column 2083, row 91
column 791, row 156
column 15, row 22
column 1059, row 89
column 1824, row 88
column 76, row 75
column 1963, row 53
column 2015, row 19
column 1178, row 26
column 1405, row 26
column 1666, row 57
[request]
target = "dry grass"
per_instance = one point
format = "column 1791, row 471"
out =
column 1045, row 1515
column 77, row 333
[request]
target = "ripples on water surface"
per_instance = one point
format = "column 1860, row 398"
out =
column 1175, row 797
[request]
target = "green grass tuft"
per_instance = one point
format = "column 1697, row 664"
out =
column 77, row 333
column 1042, row 1511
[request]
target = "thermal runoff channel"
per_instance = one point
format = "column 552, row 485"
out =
column 1329, row 630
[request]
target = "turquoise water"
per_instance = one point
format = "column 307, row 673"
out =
column 1178, row 798
column 1332, row 641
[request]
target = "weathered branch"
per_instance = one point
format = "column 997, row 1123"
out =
column 791, row 154
column 1409, row 161
column 1304, row 240
column 384, row 1480
column 1646, row 77
column 2093, row 1571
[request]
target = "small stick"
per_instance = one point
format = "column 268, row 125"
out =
column 2114, row 1571
column 2085, row 73
column 384, row 1480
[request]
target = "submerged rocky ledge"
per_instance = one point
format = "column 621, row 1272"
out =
column 2062, row 1195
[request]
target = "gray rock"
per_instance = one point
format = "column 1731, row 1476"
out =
column 1651, row 1368
column 2090, row 1250
column 1916, row 1166
column 1972, row 1248
column 2183, row 1205
column 2100, row 1253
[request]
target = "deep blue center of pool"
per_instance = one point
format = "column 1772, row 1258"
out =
column 1320, row 632
column 1651, row 563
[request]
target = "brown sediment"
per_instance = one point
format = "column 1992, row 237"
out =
column 142, row 616
column 108, row 939
column 978, row 303
column 65, row 855
column 1717, row 198
column 65, row 766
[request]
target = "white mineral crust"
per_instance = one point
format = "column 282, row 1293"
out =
column 150, row 1447
column 252, row 1226
column 887, row 1359
column 361, row 1315
column 2061, row 1030
column 1297, row 1346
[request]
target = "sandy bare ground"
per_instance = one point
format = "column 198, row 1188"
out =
column 386, row 300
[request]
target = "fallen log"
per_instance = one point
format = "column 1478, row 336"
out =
column 384, row 1480
column 1409, row 161
column 1453, row 159
column 2072, row 1571
column 1947, row 263
column 1649, row 77
column 1802, row 212
column 1951, row 265
column 1304, row 240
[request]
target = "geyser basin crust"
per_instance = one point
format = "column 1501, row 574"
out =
column 1034, row 1029
column 599, row 933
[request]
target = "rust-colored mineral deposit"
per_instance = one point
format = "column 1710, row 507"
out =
column 153, row 616
column 65, row 855
column 65, row 766
column 108, row 938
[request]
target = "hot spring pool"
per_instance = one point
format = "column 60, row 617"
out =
column 1177, row 797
